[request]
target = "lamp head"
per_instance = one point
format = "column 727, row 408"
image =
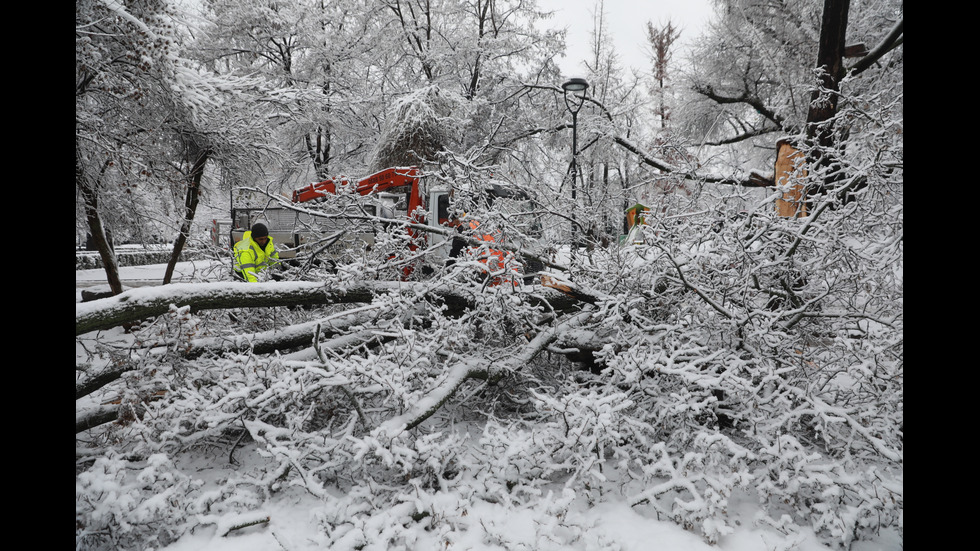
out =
column 575, row 85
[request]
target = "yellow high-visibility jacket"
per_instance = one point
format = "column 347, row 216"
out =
column 251, row 258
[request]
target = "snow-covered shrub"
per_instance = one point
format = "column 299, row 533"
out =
column 584, row 434
column 130, row 502
column 842, row 500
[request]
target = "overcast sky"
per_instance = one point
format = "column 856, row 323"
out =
column 627, row 21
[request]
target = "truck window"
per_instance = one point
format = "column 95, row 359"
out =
column 442, row 208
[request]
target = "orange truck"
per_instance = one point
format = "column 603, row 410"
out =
column 395, row 193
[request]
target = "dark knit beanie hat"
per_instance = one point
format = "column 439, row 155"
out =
column 259, row 230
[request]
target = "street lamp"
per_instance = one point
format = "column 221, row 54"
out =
column 574, row 99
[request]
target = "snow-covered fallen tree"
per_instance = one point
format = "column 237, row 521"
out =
column 721, row 355
column 730, row 355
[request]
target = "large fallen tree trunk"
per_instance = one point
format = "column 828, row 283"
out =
column 145, row 302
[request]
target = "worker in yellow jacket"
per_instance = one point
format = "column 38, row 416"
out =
column 254, row 253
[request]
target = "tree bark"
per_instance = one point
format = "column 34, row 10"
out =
column 286, row 338
column 90, row 195
column 824, row 99
column 145, row 302
column 190, row 208
column 96, row 382
column 830, row 60
column 96, row 417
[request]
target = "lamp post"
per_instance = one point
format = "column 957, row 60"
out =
column 574, row 99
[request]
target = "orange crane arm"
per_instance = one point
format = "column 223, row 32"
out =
column 389, row 178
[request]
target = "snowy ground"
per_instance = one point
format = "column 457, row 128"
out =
column 608, row 526
column 613, row 526
column 139, row 276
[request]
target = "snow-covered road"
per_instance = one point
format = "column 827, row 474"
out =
column 151, row 274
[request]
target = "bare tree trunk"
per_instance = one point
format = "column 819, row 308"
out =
column 823, row 101
column 830, row 59
column 90, row 195
column 190, row 208
column 319, row 151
